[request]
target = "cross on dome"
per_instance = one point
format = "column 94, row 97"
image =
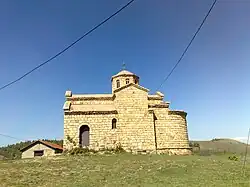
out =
column 123, row 66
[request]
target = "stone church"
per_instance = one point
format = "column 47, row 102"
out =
column 129, row 117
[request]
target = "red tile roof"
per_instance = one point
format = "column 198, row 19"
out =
column 55, row 146
column 51, row 145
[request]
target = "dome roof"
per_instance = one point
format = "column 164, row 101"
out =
column 124, row 72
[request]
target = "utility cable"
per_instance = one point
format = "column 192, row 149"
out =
column 189, row 44
column 7, row 136
column 69, row 46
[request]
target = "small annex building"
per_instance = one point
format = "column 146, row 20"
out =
column 41, row 148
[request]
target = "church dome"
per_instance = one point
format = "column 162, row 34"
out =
column 123, row 72
column 123, row 78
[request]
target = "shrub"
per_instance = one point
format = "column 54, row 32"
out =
column 215, row 139
column 194, row 144
column 190, row 144
column 233, row 157
column 80, row 150
column 71, row 140
column 119, row 149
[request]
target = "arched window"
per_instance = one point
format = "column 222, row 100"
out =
column 114, row 123
column 118, row 83
column 136, row 81
column 127, row 81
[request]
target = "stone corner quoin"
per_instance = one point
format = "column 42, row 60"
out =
column 128, row 117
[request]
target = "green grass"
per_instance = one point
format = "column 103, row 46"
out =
column 124, row 170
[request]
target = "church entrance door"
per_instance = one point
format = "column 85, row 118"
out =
column 84, row 136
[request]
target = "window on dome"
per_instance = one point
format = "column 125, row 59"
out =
column 118, row 84
column 127, row 81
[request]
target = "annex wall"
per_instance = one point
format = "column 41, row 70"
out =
column 29, row 153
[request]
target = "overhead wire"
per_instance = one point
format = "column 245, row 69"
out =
column 189, row 44
column 93, row 29
column 68, row 47
column 212, row 6
column 7, row 136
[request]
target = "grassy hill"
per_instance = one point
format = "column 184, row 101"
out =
column 222, row 145
column 124, row 169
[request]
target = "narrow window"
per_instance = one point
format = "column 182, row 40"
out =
column 114, row 123
column 136, row 81
column 127, row 81
column 118, row 84
column 38, row 153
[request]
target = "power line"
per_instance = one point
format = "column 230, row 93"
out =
column 69, row 46
column 191, row 41
column 10, row 137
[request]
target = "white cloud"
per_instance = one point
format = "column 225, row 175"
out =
column 241, row 139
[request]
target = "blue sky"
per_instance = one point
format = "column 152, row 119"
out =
column 211, row 83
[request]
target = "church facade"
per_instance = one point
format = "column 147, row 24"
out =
column 129, row 117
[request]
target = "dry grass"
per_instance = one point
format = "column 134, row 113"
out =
column 223, row 145
column 124, row 170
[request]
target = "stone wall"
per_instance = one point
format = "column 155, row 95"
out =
column 92, row 102
column 171, row 130
column 136, row 123
column 100, row 125
column 144, row 122
column 154, row 101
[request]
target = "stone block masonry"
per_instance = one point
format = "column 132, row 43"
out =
column 129, row 117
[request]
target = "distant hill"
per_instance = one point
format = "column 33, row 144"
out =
column 212, row 146
column 13, row 151
column 222, row 145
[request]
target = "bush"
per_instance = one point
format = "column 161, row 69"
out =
column 215, row 139
column 87, row 151
column 119, row 149
column 194, row 144
column 233, row 157
column 80, row 150
column 71, row 140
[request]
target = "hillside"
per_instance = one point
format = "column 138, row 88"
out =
column 12, row 151
column 223, row 145
column 213, row 146
column 124, row 170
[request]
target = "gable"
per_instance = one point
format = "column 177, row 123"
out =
column 132, row 85
column 45, row 143
column 131, row 97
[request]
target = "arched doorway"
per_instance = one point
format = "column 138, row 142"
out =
column 84, row 136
